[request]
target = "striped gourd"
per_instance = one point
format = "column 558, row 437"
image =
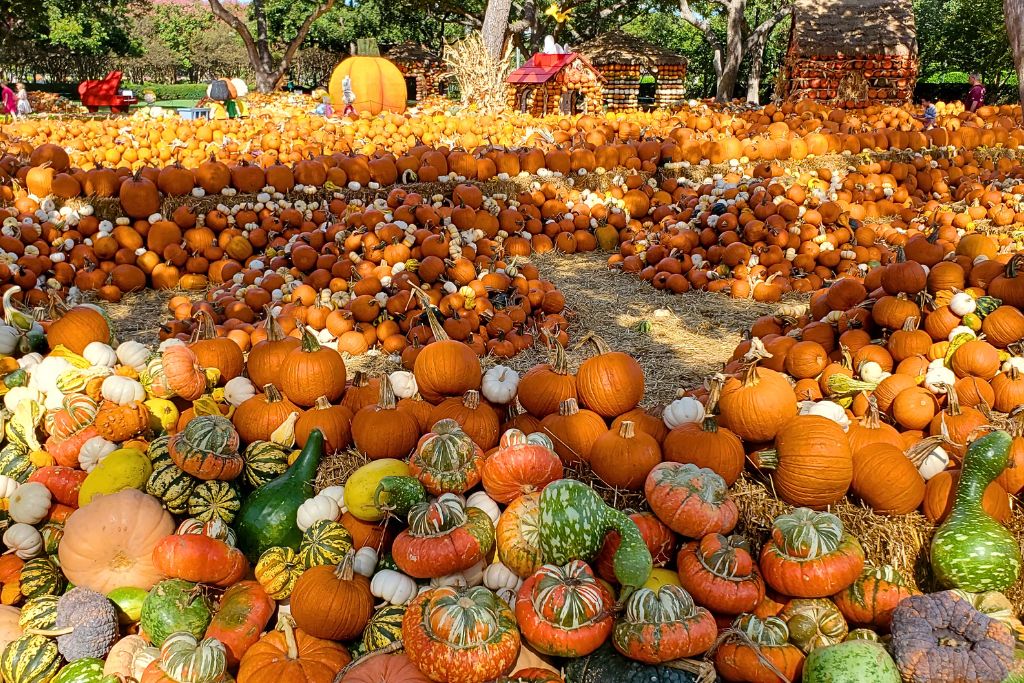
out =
column 85, row 670
column 208, row 448
column 39, row 613
column 40, row 576
column 78, row 411
column 15, row 463
column 159, row 447
column 51, row 532
column 264, row 462
column 170, row 484
column 385, row 627
column 214, row 500
column 30, row 659
column 277, row 571
column 324, row 542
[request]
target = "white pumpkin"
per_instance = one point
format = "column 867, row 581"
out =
column 24, row 540
column 9, row 338
column 29, row 503
column 934, row 461
column 870, row 371
column 54, row 400
column 963, row 304
column 827, row 409
column 1013, row 362
column 100, row 354
column 21, row 394
column 239, row 390
column 93, row 451
column 937, row 376
column 365, row 561
column 500, row 384
column 481, row 500
column 133, row 354
column 44, row 375
column 474, row 576
column 316, row 509
column 684, row 410
column 960, row 329
column 8, row 486
column 498, row 576
column 30, row 360
column 122, row 390
column 168, row 343
column 403, row 383
column 392, row 587
column 338, row 494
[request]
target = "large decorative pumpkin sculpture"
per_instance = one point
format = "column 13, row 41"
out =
column 377, row 84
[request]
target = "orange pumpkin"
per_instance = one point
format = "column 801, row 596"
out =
column 377, row 84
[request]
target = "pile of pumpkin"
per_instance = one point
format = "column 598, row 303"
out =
column 178, row 501
column 766, row 235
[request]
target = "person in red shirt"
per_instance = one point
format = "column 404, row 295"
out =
column 976, row 95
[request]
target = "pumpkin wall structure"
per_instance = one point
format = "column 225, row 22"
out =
column 423, row 70
column 637, row 74
column 556, row 83
column 851, row 53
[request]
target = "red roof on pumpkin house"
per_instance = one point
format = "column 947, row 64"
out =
column 541, row 67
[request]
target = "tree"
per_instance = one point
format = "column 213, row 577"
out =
column 269, row 71
column 949, row 51
column 740, row 40
column 1014, row 11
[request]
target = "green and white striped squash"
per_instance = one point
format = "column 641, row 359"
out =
column 214, row 500
column 324, row 542
column 264, row 462
column 170, row 484
column 15, row 463
column 277, row 571
column 971, row 550
column 39, row 613
column 185, row 658
column 39, row 577
column 30, row 659
column 385, row 627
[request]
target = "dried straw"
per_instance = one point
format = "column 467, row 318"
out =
column 481, row 77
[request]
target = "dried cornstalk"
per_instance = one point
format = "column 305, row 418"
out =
column 481, row 77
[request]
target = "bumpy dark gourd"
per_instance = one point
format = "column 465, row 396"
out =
column 971, row 550
column 86, row 624
column 606, row 664
column 941, row 638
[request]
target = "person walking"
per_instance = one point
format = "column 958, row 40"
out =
column 21, row 100
column 8, row 103
column 348, row 96
column 976, row 95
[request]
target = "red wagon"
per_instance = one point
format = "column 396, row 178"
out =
column 104, row 93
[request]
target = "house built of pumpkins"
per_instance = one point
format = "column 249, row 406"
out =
column 637, row 73
column 556, row 83
column 423, row 70
column 851, row 52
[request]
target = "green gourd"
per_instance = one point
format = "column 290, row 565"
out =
column 971, row 550
column 267, row 517
column 573, row 524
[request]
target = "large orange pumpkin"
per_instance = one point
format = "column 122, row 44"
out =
column 377, row 84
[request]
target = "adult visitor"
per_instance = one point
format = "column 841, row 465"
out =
column 976, row 95
column 8, row 103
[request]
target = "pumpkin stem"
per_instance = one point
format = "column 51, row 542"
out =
column 360, row 379
column 627, row 430
column 322, row 403
column 471, row 399
column 751, row 358
column 205, row 327
column 287, row 624
column 435, row 325
column 50, row 633
column 558, row 360
column 1013, row 264
column 310, row 344
column 271, row 394
column 568, row 407
column 953, row 407
column 872, row 419
column 345, row 570
column 599, row 344
column 910, row 324
column 386, row 400
column 920, row 451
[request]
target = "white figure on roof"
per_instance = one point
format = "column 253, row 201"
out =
column 551, row 47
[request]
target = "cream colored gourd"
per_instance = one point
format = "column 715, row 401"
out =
column 100, row 354
column 498, row 576
column 481, row 500
column 403, row 383
column 684, row 410
column 826, row 409
column 30, row 503
column 365, row 561
column 474, row 576
column 122, row 390
column 8, row 486
column 500, row 384
column 133, row 354
column 393, row 587
column 24, row 540
column 315, row 509
column 239, row 390
column 963, row 304
column 94, row 451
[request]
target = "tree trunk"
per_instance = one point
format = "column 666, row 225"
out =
column 265, row 81
column 495, row 26
column 1014, row 11
column 733, row 56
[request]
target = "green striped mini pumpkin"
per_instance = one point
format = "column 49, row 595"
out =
column 324, row 542
column 15, row 463
column 39, row 613
column 171, row 485
column 214, row 499
column 51, row 532
column 39, row 577
column 277, row 571
column 30, row 659
column 385, row 627
column 264, row 462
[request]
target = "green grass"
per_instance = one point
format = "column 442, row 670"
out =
column 169, row 104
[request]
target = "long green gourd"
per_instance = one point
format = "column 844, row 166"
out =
column 972, row 551
column 267, row 517
column 573, row 524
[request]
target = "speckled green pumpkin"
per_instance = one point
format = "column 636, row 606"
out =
column 971, row 550
column 87, row 670
column 214, row 499
column 175, row 605
column 573, row 524
column 39, row 613
column 855, row 661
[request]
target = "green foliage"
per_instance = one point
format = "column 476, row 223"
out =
column 169, row 91
column 966, row 36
